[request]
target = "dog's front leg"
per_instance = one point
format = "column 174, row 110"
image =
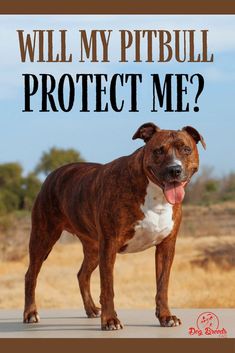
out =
column 107, row 256
column 164, row 256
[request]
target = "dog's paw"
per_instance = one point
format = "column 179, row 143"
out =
column 93, row 312
column 111, row 324
column 31, row 317
column 169, row 321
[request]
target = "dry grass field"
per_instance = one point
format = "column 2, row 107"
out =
column 203, row 273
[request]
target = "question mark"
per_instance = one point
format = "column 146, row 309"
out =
column 200, row 88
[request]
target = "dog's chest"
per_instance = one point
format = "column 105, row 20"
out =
column 157, row 223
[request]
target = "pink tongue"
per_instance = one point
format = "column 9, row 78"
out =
column 174, row 192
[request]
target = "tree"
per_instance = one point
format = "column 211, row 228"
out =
column 29, row 189
column 10, row 186
column 55, row 158
column 16, row 191
column 10, row 174
column 9, row 201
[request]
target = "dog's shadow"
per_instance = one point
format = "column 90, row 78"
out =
column 13, row 325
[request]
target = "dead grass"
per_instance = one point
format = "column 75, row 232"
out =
column 192, row 284
column 214, row 220
column 202, row 275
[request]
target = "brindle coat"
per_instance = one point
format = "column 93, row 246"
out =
column 101, row 204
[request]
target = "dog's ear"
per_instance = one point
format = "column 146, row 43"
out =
column 195, row 135
column 145, row 132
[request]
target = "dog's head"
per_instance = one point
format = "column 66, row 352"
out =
column 170, row 157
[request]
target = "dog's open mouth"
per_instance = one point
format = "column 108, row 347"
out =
column 174, row 192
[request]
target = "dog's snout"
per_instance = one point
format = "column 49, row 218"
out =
column 174, row 171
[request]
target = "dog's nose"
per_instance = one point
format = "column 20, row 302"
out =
column 175, row 171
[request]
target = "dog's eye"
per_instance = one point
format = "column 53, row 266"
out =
column 187, row 150
column 159, row 151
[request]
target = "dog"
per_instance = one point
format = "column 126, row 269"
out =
column 124, row 206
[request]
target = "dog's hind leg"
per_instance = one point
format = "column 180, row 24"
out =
column 90, row 262
column 41, row 243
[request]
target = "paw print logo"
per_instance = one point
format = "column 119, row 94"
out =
column 207, row 320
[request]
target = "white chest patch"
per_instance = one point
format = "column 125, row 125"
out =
column 157, row 223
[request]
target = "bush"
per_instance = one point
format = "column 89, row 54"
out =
column 207, row 189
column 228, row 188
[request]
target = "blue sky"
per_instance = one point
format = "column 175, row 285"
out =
column 102, row 137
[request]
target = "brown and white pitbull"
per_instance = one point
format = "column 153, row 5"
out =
column 124, row 206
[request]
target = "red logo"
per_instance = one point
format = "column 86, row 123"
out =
column 207, row 320
column 207, row 325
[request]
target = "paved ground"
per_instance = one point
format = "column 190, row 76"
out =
column 137, row 324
